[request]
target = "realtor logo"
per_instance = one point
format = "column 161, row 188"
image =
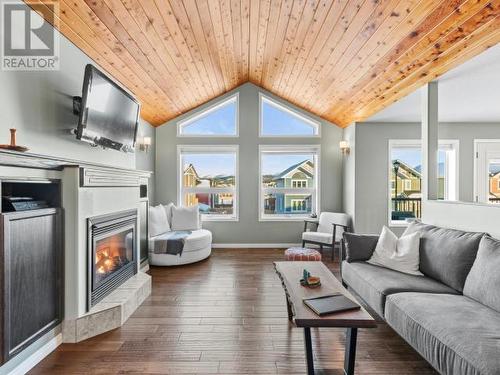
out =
column 29, row 41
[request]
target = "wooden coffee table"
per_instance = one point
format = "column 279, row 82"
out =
column 290, row 274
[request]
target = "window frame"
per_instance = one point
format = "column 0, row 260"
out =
column 208, row 110
column 314, row 191
column 285, row 108
column 417, row 143
column 210, row 149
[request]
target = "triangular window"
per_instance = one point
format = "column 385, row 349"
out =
column 219, row 120
column 279, row 121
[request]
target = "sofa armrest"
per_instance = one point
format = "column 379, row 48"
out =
column 358, row 247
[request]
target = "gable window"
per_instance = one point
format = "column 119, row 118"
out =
column 405, row 179
column 289, row 182
column 277, row 120
column 207, row 176
column 218, row 120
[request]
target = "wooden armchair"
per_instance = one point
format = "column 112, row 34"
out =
column 328, row 230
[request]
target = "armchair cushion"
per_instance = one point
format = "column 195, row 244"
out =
column 325, row 238
column 326, row 219
column 158, row 222
column 185, row 218
column 359, row 247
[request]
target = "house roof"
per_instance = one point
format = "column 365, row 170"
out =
column 305, row 166
column 341, row 60
column 416, row 173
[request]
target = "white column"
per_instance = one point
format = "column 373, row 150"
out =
column 430, row 111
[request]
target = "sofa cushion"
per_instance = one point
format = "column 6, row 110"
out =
column 185, row 218
column 325, row 238
column 454, row 333
column 197, row 240
column 168, row 210
column 483, row 281
column 158, row 222
column 446, row 254
column 373, row 283
column 359, row 247
column 399, row 254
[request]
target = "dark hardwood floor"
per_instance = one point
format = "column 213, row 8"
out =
column 225, row 315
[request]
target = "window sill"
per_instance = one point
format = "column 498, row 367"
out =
column 283, row 218
column 219, row 218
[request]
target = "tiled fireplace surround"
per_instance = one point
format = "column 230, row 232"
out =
column 90, row 192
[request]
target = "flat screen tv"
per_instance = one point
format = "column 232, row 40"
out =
column 108, row 115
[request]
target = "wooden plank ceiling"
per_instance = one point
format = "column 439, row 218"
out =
column 343, row 60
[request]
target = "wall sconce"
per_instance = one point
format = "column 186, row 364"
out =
column 344, row 147
column 146, row 142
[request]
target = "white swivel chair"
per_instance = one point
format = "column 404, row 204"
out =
column 329, row 229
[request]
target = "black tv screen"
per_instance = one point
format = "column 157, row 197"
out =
column 108, row 114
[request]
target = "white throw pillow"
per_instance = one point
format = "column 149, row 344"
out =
column 158, row 223
column 398, row 254
column 185, row 218
column 168, row 211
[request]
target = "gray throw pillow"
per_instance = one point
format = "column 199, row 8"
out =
column 359, row 247
column 446, row 254
column 483, row 281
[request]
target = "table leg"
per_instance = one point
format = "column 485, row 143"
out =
column 350, row 350
column 309, row 351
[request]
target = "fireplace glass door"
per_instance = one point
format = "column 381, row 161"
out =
column 112, row 253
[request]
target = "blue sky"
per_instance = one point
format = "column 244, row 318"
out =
column 210, row 164
column 274, row 164
column 276, row 120
column 220, row 121
column 412, row 157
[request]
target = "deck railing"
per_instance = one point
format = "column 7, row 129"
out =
column 403, row 208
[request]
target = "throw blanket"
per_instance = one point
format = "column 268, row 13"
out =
column 172, row 244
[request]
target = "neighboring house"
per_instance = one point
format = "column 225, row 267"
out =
column 207, row 202
column 300, row 175
column 495, row 187
column 408, row 181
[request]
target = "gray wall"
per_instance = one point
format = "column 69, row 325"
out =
column 146, row 161
column 248, row 229
column 349, row 174
column 369, row 163
column 39, row 105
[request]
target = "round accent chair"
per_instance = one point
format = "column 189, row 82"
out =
column 176, row 236
column 302, row 254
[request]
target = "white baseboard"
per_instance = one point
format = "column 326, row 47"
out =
column 37, row 356
column 253, row 245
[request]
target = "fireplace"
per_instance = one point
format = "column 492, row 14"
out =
column 112, row 253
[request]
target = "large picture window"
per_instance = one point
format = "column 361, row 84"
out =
column 218, row 120
column 289, row 182
column 405, row 177
column 208, row 178
column 277, row 120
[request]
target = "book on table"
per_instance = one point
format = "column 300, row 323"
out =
column 330, row 304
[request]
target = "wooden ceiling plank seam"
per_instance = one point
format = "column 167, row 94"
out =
column 447, row 24
column 214, row 48
column 147, row 111
column 115, row 49
column 409, row 40
column 391, row 22
column 167, row 70
column 254, row 28
column 277, row 41
column 339, row 58
column 225, row 63
column 184, row 40
column 491, row 38
column 163, row 79
column 264, row 12
column 163, row 45
column 329, row 36
column 182, row 56
column 307, row 15
column 225, row 8
column 303, row 51
column 236, row 32
column 478, row 24
column 245, row 36
column 291, row 29
column 190, row 10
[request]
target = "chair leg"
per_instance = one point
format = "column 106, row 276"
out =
column 333, row 252
column 321, row 249
column 303, row 243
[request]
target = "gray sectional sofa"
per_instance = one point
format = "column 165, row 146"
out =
column 451, row 315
